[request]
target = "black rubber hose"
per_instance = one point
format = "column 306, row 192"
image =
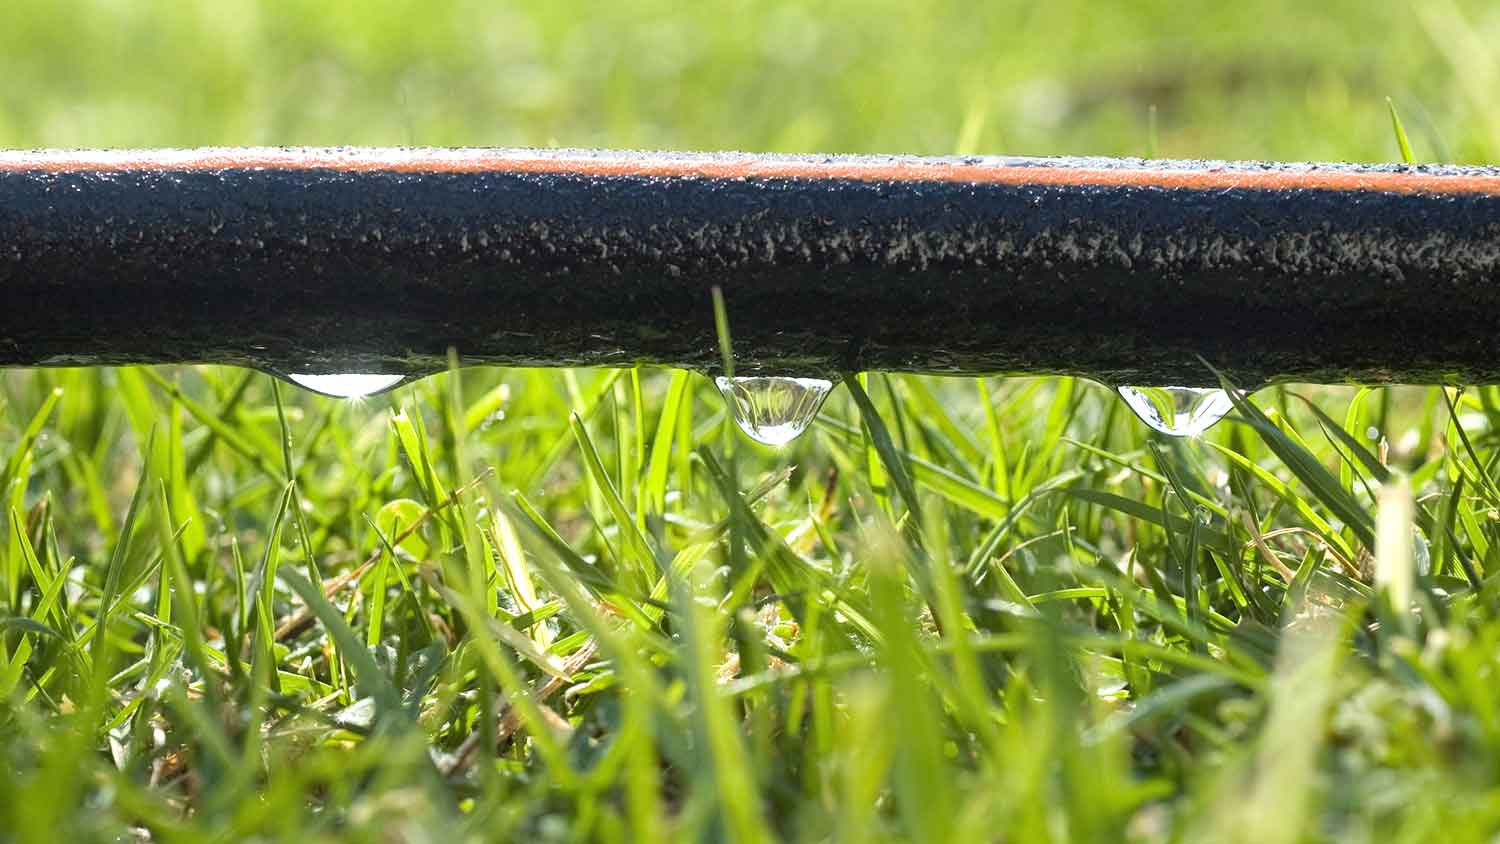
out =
column 1127, row 271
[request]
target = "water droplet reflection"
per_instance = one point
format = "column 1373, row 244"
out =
column 774, row 410
column 1178, row 411
column 349, row 385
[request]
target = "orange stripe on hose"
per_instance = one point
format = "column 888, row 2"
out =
column 668, row 165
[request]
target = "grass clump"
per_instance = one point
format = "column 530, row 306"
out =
column 512, row 603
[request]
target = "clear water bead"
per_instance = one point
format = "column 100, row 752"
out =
column 774, row 410
column 1178, row 411
column 347, row 386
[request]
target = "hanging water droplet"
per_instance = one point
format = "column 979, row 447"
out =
column 774, row 410
column 1178, row 411
column 349, row 385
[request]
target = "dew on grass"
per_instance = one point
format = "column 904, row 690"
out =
column 1178, row 411
column 348, row 385
column 774, row 410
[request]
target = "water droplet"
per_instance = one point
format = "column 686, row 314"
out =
column 774, row 410
column 1178, row 411
column 347, row 386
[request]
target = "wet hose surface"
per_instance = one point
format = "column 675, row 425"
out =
column 1127, row 271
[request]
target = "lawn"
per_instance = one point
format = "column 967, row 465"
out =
column 559, row 605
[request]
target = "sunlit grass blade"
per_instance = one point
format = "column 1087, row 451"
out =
column 661, row 444
column 1402, row 144
column 890, row 457
column 634, row 540
column 1323, row 485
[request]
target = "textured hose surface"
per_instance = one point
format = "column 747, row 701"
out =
column 380, row 260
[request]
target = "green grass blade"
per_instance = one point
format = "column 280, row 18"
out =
column 1402, row 143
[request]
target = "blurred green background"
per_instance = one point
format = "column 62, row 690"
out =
column 1268, row 79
